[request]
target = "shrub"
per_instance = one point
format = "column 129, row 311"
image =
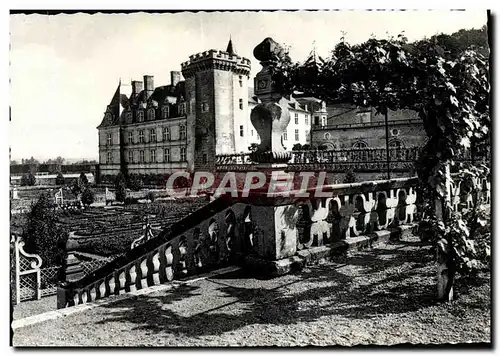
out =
column 28, row 180
column 151, row 195
column 135, row 182
column 88, row 197
column 60, row 179
column 43, row 235
column 83, row 182
column 350, row 176
column 130, row 200
column 120, row 186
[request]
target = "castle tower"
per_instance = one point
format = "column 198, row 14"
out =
column 216, row 84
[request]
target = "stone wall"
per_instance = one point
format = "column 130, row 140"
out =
column 410, row 134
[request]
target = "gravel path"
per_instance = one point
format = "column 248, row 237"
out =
column 34, row 307
column 383, row 296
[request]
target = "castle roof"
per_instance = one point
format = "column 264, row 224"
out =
column 230, row 48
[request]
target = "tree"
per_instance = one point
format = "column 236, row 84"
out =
column 297, row 147
column 83, row 181
column 120, row 187
column 43, row 234
column 449, row 89
column 28, row 179
column 87, row 197
column 60, row 179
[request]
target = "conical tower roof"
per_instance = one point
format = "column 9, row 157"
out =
column 230, row 48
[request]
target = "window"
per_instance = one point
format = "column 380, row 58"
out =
column 296, row 118
column 165, row 112
column 205, row 158
column 140, row 115
column 327, row 136
column 151, row 114
column 316, row 120
column 166, row 134
column 182, row 109
column 364, row 117
column 183, row 154
column 153, row 155
column 323, row 120
column 152, row 135
column 128, row 116
column 396, row 144
column 130, row 137
column 360, row 156
column 396, row 150
column 141, row 156
column 296, row 134
column 241, row 81
column 109, row 158
column 307, row 119
column 360, row 144
column 131, row 156
column 285, row 136
column 110, row 139
column 166, row 155
column 141, row 136
column 182, row 132
column 251, row 132
column 241, row 131
column 204, row 107
column 241, row 104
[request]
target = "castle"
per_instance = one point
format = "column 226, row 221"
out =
column 184, row 125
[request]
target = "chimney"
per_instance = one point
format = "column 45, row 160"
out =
column 175, row 77
column 148, row 86
column 136, row 87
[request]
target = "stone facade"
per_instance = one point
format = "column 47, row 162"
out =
column 351, row 127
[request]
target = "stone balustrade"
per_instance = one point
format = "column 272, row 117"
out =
column 274, row 234
column 267, row 228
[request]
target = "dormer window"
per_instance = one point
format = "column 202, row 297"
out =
column 108, row 117
column 128, row 116
column 140, row 115
column 165, row 112
column 182, row 109
column 151, row 114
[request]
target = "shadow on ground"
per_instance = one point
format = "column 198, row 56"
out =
column 386, row 280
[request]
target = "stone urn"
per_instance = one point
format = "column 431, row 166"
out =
column 271, row 116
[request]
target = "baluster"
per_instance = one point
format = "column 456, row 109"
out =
column 347, row 221
column 181, row 265
column 141, row 279
column 169, row 261
column 122, row 281
column 365, row 208
column 101, row 289
column 154, row 269
column 131, row 283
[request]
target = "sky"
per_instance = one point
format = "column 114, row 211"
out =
column 64, row 69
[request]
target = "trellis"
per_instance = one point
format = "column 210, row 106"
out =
column 30, row 281
column 27, row 272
